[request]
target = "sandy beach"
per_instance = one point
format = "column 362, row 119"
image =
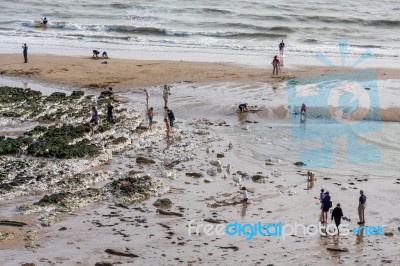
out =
column 86, row 72
column 215, row 152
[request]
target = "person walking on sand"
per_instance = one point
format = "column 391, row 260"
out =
column 25, row 52
column 150, row 114
column 166, row 93
column 171, row 117
column 310, row 176
column 276, row 65
column 110, row 113
column 361, row 207
column 337, row 214
column 245, row 195
column 281, row 48
column 326, row 205
column 147, row 96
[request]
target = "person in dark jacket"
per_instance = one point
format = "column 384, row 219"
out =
column 25, row 52
column 171, row 117
column 337, row 214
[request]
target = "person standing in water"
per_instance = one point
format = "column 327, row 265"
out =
column 25, row 52
column 44, row 22
column 281, row 48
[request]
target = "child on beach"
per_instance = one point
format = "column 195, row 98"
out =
column 150, row 116
column 276, row 65
column 167, row 129
column 245, row 195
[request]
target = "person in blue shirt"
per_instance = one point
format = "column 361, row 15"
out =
column 361, row 207
column 325, row 207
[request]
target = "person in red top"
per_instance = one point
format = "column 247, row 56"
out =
column 276, row 64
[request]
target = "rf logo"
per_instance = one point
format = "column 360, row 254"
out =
column 339, row 105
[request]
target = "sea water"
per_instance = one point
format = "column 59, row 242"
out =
column 202, row 30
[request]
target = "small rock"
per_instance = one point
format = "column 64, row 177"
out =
column 388, row 234
column 77, row 94
column 300, row 164
column 144, row 160
column 62, row 228
column 220, row 155
column 259, row 178
column 58, row 94
column 163, row 203
column 338, row 249
column 103, row 264
column 208, row 180
column 193, row 174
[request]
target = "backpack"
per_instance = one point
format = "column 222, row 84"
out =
column 330, row 204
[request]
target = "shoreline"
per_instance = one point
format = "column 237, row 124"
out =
column 85, row 72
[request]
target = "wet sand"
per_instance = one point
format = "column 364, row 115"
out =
column 285, row 196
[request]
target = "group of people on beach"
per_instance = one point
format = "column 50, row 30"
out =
column 337, row 213
column 169, row 116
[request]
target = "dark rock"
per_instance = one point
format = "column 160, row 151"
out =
column 338, row 249
column 220, row 155
column 77, row 94
column 12, row 223
column 388, row 234
column 235, row 248
column 120, row 253
column 58, row 95
column 62, row 228
column 215, row 221
column 259, row 178
column 193, row 174
column 163, row 203
column 103, row 264
column 169, row 213
column 104, row 93
column 144, row 160
column 28, row 264
column 300, row 164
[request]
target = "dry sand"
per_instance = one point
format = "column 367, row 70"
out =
column 121, row 74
